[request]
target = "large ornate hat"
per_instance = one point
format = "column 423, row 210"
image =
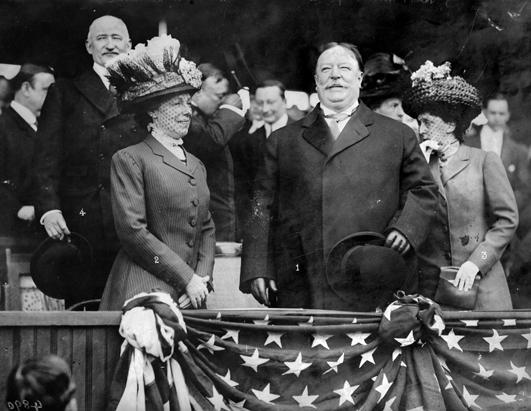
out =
column 385, row 75
column 434, row 85
column 152, row 70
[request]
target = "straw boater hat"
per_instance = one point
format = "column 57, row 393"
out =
column 385, row 75
column 152, row 71
column 433, row 85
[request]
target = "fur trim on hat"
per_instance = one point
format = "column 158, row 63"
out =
column 152, row 70
column 434, row 85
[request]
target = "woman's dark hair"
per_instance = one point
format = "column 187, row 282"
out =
column 449, row 114
column 46, row 380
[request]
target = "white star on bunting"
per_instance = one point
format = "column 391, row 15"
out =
column 390, row 309
column 470, row 323
column 528, row 338
column 438, row 324
column 305, row 400
column 297, row 366
column 506, row 398
column 217, row 400
column 389, row 404
column 265, row 395
column 367, row 356
column 404, row 342
column 483, row 373
column 227, row 379
column 383, row 387
column 218, row 316
column 265, row 321
column 358, row 338
column 453, row 340
column 511, row 322
column 274, row 338
column 238, row 406
column 469, row 398
column 396, row 353
column 354, row 320
column 254, row 360
column 333, row 364
column 345, row 393
column 320, row 339
column 234, row 334
column 309, row 322
column 210, row 345
column 495, row 341
column 520, row 372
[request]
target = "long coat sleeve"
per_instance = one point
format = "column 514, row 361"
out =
column 313, row 192
column 160, row 207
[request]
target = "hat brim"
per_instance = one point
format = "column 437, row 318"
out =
column 363, row 237
column 46, row 266
column 456, row 93
column 139, row 104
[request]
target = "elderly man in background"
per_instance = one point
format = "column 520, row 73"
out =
column 79, row 132
column 18, row 128
column 217, row 116
column 248, row 146
column 343, row 169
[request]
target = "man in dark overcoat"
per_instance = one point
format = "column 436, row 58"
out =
column 342, row 169
column 18, row 128
column 79, row 132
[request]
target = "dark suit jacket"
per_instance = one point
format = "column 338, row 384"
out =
column 161, row 211
column 208, row 140
column 312, row 192
column 17, row 143
column 79, row 131
column 514, row 159
column 248, row 153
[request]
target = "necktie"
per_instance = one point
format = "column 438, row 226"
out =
column 334, row 124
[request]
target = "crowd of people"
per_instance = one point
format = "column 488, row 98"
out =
column 384, row 185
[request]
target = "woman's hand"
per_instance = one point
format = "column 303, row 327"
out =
column 196, row 291
column 464, row 279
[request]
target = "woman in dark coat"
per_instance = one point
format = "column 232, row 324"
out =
column 159, row 193
column 477, row 214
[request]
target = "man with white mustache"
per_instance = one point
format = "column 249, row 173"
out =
column 79, row 131
column 342, row 169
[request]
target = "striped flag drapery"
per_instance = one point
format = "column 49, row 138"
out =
column 411, row 357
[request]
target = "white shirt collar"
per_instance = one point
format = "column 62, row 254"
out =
column 102, row 74
column 327, row 111
column 281, row 122
column 25, row 113
column 173, row 145
column 491, row 140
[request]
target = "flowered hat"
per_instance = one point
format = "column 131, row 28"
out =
column 435, row 85
column 152, row 70
column 385, row 75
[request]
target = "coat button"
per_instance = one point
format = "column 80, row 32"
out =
column 102, row 126
column 190, row 243
column 101, row 156
column 195, row 202
column 193, row 221
column 192, row 182
column 101, row 187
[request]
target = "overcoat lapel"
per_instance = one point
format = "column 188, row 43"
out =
column 91, row 86
column 457, row 163
column 436, row 173
column 316, row 132
column 21, row 123
column 169, row 159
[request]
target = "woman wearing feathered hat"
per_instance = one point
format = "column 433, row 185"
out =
column 159, row 192
column 477, row 214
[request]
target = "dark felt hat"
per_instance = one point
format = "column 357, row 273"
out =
column 364, row 272
column 61, row 268
column 385, row 75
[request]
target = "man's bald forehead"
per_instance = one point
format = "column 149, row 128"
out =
column 105, row 22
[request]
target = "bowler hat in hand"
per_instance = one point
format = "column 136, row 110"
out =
column 365, row 273
column 61, row 268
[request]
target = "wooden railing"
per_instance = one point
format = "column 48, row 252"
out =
column 88, row 341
